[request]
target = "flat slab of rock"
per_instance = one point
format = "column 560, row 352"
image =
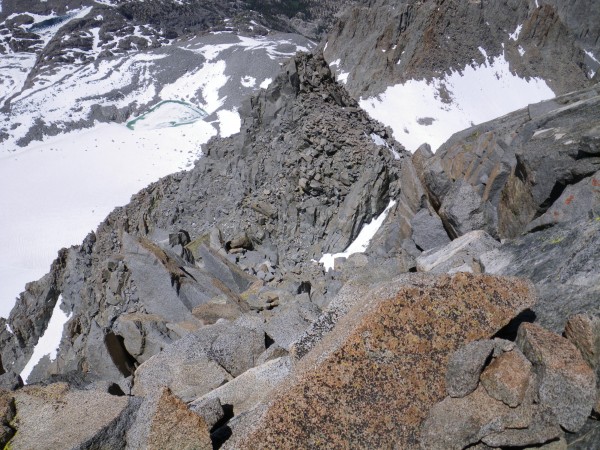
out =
column 371, row 381
column 460, row 255
column 55, row 417
column 250, row 388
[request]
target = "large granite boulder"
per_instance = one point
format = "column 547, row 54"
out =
column 387, row 354
column 56, row 416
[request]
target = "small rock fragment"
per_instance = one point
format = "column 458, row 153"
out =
column 465, row 366
column 507, row 378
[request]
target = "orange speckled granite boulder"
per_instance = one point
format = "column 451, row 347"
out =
column 371, row 381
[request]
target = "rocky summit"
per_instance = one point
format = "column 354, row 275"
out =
column 314, row 279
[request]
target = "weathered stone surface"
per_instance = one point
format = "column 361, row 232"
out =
column 210, row 409
column 583, row 330
column 7, row 414
column 567, row 385
column 164, row 422
column 10, row 381
column 462, row 210
column 200, row 361
column 507, row 378
column 456, row 423
column 543, row 428
column 56, row 417
column 428, row 231
column 388, row 354
column 563, row 263
column 465, row 366
column 250, row 388
column 576, row 201
column 290, row 322
column 460, row 255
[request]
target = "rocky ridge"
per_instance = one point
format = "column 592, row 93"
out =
column 198, row 302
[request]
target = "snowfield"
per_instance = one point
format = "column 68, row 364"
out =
column 421, row 111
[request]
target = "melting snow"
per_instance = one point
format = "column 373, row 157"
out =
column 49, row 341
column 361, row 242
column 454, row 102
column 210, row 78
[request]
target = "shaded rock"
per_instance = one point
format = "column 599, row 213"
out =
column 576, row 201
column 567, row 385
column 585, row 439
column 249, row 389
column 94, row 418
column 462, row 210
column 290, row 321
column 428, row 231
column 460, row 255
column 507, row 378
column 210, row 409
column 164, row 421
column 7, row 414
column 465, row 366
column 10, row 381
column 387, row 354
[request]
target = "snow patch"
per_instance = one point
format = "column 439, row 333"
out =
column 453, row 102
column 209, row 79
column 521, row 50
column 230, row 122
column 248, row 81
column 49, row 341
column 361, row 242
column 378, row 140
column 342, row 77
column 514, row 36
column 266, row 83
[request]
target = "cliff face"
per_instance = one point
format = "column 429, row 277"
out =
column 381, row 43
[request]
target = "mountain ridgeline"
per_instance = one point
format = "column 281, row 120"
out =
column 199, row 315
